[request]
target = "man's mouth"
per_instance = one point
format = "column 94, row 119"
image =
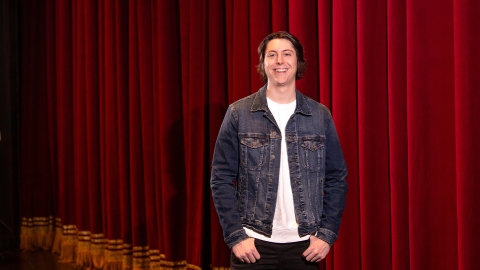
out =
column 281, row 70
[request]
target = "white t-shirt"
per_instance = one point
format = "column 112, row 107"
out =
column 285, row 226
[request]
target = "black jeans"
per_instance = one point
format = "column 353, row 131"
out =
column 277, row 256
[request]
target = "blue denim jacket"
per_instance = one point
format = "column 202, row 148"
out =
column 246, row 163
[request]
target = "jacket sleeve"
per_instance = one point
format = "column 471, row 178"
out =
column 335, row 187
column 224, row 174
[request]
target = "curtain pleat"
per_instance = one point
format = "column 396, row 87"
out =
column 110, row 150
column 193, row 22
column 278, row 16
column 324, row 47
column 121, row 103
column 397, row 130
column 136, row 144
column 92, row 73
column 64, row 110
column 120, row 67
column 217, row 95
column 344, row 110
column 80, row 111
column 302, row 21
column 51, row 93
column 373, row 127
column 147, row 120
column 170, row 166
column 431, row 122
column 467, row 98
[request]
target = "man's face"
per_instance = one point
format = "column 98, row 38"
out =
column 280, row 62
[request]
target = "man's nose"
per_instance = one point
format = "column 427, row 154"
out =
column 279, row 59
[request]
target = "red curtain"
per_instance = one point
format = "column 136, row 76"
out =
column 121, row 103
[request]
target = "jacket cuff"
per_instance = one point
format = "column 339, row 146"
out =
column 236, row 237
column 326, row 235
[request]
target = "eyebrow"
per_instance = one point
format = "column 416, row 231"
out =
column 286, row 50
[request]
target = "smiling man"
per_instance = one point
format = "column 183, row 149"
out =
column 278, row 173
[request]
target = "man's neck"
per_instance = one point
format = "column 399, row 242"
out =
column 281, row 94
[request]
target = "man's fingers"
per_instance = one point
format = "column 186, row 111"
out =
column 313, row 255
column 317, row 250
column 256, row 254
column 310, row 257
column 253, row 255
column 246, row 251
column 308, row 253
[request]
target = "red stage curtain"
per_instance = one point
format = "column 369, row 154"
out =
column 121, row 102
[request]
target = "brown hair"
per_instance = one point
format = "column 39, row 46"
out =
column 301, row 63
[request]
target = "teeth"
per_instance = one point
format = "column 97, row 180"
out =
column 282, row 70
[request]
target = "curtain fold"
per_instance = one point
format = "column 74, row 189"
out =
column 397, row 129
column 217, row 95
column 9, row 121
column 467, row 98
column 169, row 130
column 344, row 110
column 430, row 116
column 194, row 58
column 121, row 102
column 372, row 110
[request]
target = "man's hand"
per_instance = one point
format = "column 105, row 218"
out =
column 317, row 250
column 246, row 251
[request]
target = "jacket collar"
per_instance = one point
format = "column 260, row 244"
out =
column 260, row 102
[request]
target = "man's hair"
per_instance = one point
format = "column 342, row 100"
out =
column 301, row 63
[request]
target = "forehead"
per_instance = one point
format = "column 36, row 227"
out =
column 279, row 44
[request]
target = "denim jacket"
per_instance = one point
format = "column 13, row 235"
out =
column 246, row 163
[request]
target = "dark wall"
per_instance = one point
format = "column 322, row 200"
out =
column 9, row 114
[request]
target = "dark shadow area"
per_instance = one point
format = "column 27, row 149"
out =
column 33, row 260
column 9, row 114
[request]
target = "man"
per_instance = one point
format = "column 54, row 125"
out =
column 278, row 172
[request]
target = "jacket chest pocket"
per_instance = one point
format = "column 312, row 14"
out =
column 312, row 152
column 254, row 150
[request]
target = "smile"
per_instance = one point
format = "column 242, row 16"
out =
column 281, row 70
